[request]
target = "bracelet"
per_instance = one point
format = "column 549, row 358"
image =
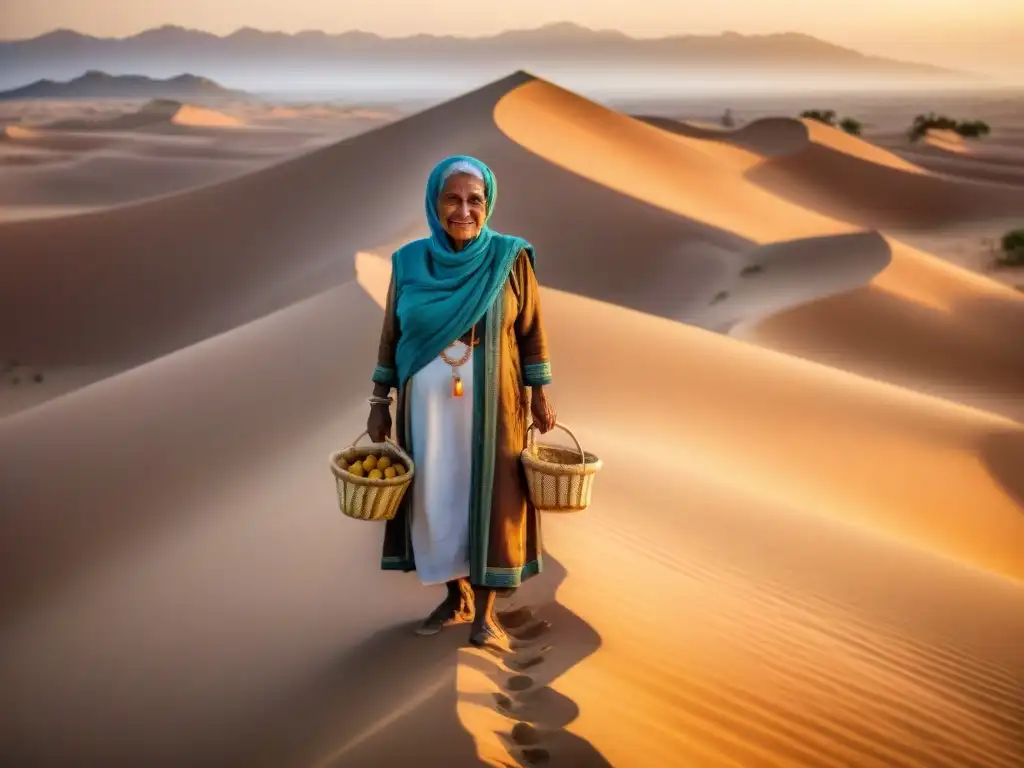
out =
column 374, row 400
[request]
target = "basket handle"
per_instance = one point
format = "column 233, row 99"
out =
column 388, row 440
column 530, row 440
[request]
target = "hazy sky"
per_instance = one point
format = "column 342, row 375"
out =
column 984, row 32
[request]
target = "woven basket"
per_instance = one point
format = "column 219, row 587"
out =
column 559, row 479
column 362, row 498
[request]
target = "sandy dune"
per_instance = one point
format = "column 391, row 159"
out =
column 155, row 115
column 24, row 136
column 950, row 141
column 946, row 152
column 807, row 546
column 949, row 313
column 60, row 158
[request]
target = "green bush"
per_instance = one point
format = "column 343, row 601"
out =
column 1013, row 240
column 924, row 123
column 829, row 117
column 826, row 116
column 973, row 129
column 970, row 129
column 851, row 126
column 1013, row 249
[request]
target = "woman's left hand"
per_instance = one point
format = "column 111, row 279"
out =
column 543, row 413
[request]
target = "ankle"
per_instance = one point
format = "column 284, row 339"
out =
column 483, row 599
column 454, row 588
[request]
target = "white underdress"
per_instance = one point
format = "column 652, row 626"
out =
column 442, row 442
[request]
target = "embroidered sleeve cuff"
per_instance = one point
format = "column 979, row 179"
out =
column 537, row 374
column 386, row 376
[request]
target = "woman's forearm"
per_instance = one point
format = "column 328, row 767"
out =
column 381, row 390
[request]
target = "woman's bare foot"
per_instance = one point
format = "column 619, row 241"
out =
column 457, row 608
column 486, row 628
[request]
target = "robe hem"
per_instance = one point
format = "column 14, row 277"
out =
column 511, row 577
column 493, row 577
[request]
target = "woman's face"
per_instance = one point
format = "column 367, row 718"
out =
column 462, row 207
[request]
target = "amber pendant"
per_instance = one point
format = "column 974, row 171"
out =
column 456, row 386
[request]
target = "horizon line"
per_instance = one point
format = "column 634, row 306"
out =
column 564, row 23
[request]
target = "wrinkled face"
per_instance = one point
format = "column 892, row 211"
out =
column 462, row 207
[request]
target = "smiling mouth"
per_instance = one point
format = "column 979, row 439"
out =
column 460, row 223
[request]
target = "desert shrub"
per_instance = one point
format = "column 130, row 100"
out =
column 751, row 269
column 973, row 129
column 720, row 296
column 851, row 126
column 1012, row 246
column 970, row 129
column 1013, row 240
column 924, row 123
column 826, row 116
column 728, row 121
column 830, row 118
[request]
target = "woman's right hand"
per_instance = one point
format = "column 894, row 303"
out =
column 378, row 425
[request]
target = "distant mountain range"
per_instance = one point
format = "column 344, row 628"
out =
column 100, row 85
column 63, row 53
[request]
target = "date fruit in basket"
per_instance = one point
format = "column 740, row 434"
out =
column 374, row 467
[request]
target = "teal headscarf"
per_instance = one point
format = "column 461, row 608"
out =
column 441, row 292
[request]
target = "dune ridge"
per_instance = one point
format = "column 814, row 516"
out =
column 155, row 115
column 955, row 314
column 798, row 554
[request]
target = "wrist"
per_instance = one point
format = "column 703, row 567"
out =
column 381, row 402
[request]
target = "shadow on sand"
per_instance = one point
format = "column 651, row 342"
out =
column 1003, row 454
column 393, row 699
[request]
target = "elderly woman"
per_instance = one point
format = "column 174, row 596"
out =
column 462, row 342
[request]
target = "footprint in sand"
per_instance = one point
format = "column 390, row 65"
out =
column 515, row 618
column 536, row 756
column 525, row 664
column 504, row 702
column 519, row 682
column 497, row 649
column 531, row 632
column 525, row 735
column 532, row 661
